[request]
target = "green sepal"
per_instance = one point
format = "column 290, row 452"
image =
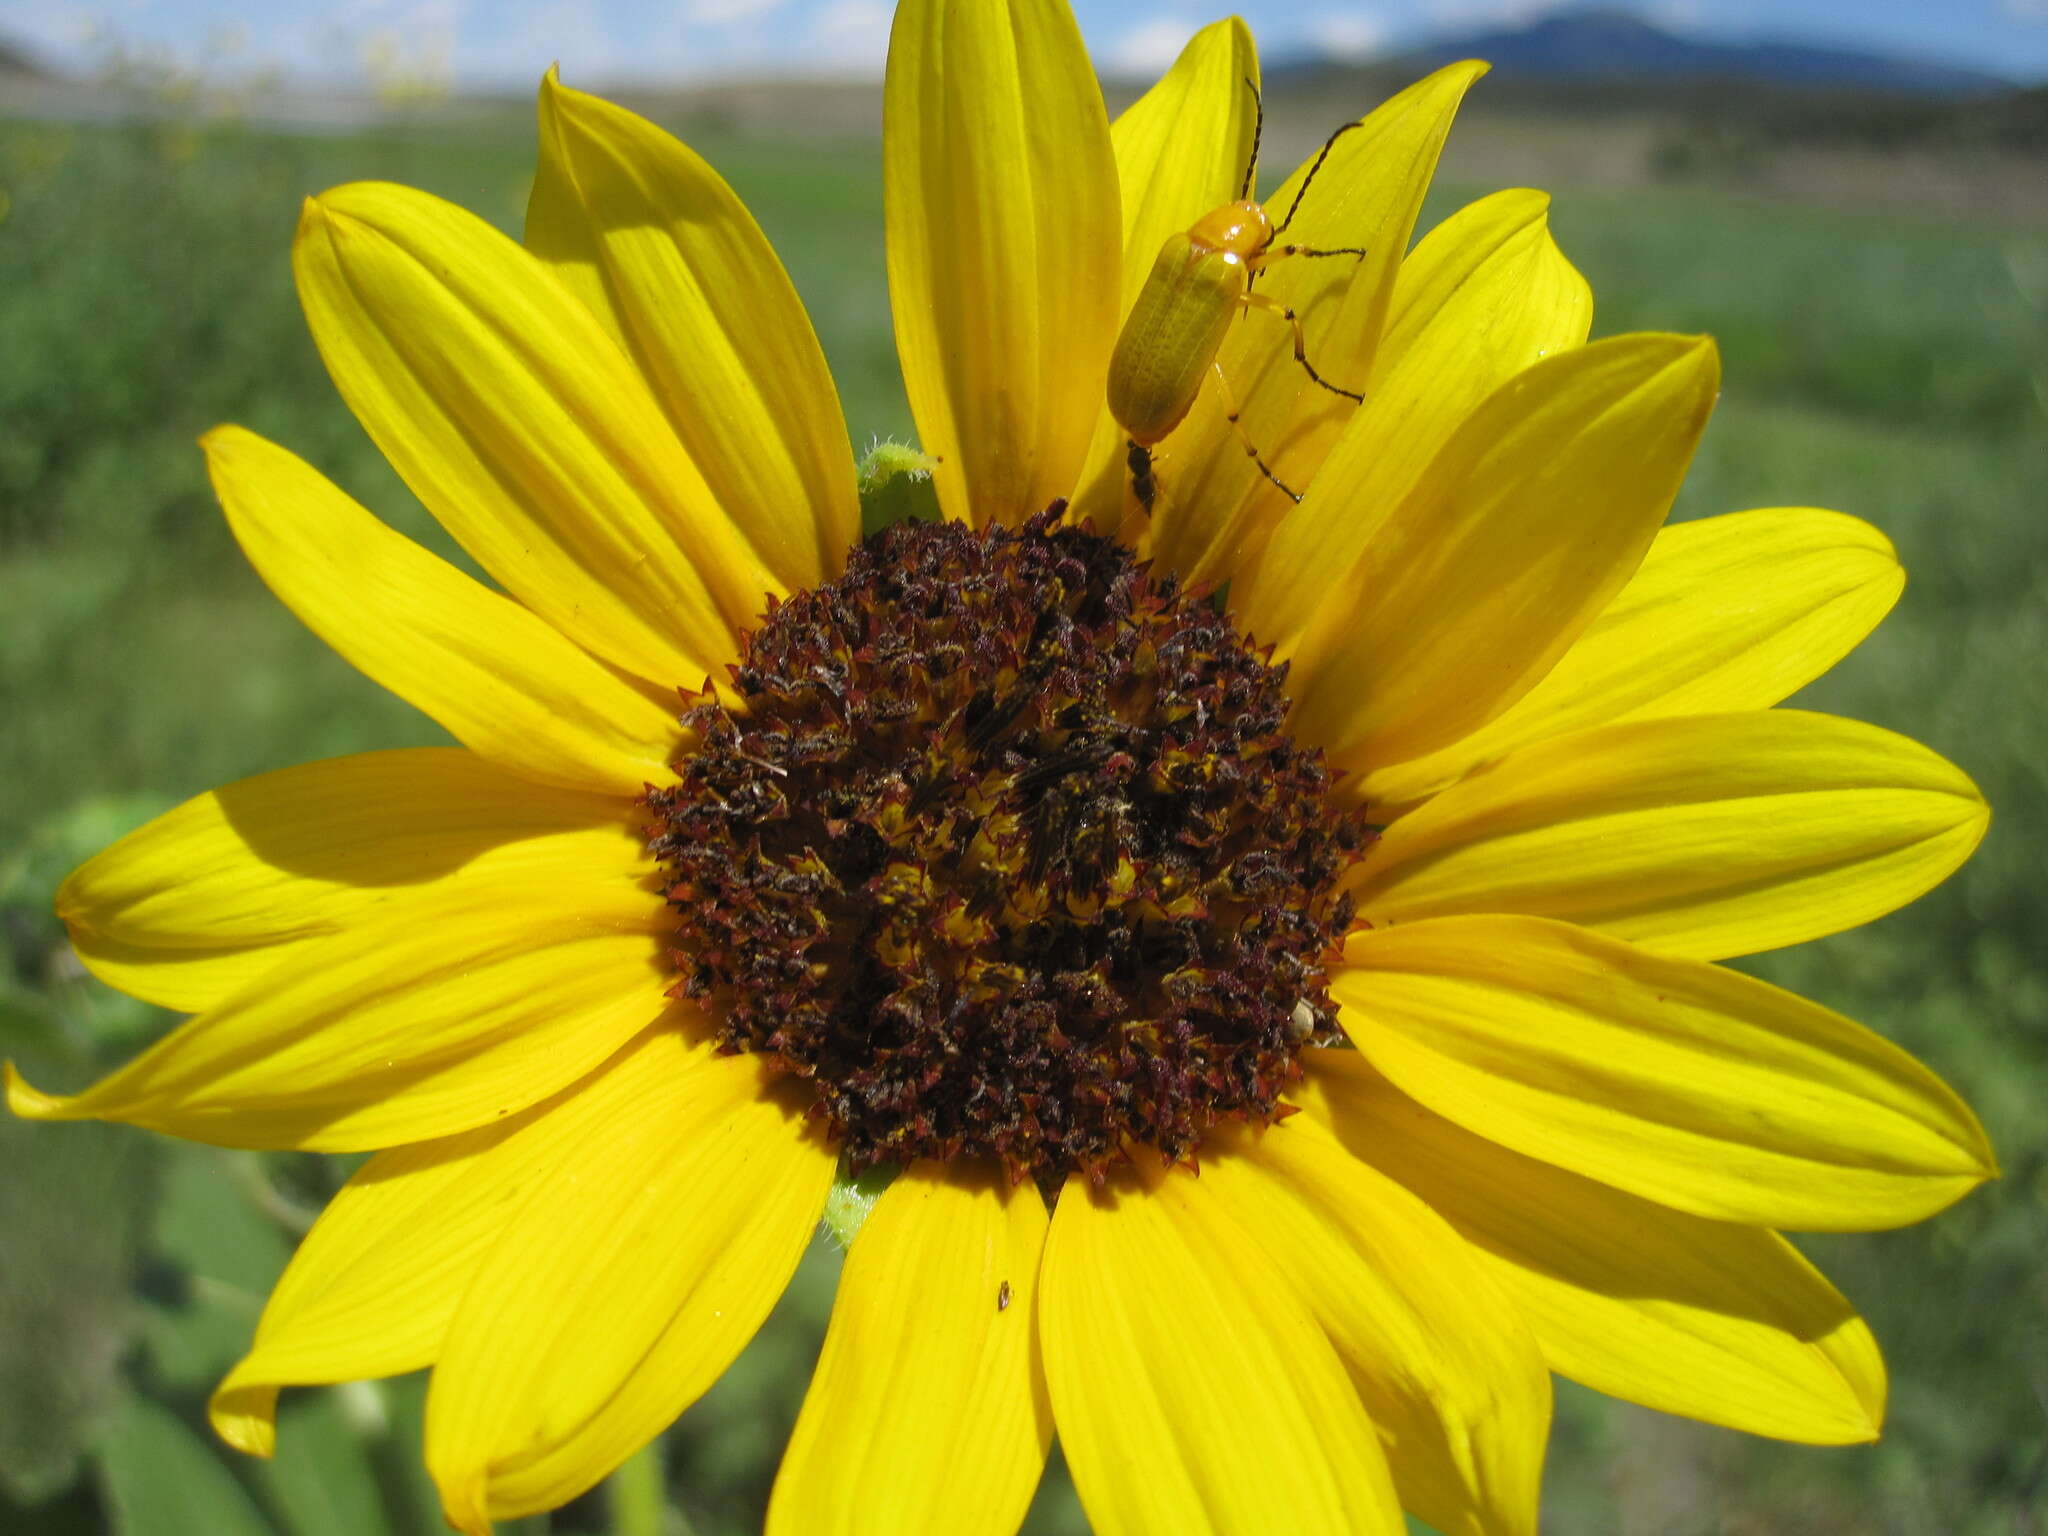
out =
column 853, row 1197
column 896, row 487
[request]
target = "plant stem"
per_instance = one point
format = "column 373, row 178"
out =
column 639, row 1494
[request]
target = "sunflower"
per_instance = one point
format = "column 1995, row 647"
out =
column 1273, row 943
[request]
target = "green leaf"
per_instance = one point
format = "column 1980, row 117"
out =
column 401, row 1405
column 86, row 1010
column 160, row 1477
column 71, row 1204
column 77, row 1016
column 323, row 1479
column 28, row 1023
column 60, row 842
column 215, row 1256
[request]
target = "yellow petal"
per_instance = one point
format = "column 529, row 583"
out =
column 1486, row 294
column 1705, row 835
column 1001, row 203
column 1447, row 1369
column 373, row 1286
column 1725, row 613
column 656, row 243
column 1524, row 526
column 504, row 682
column 1182, row 149
column 210, row 895
column 525, row 430
column 1701, row 1318
column 460, row 1008
column 185, row 979
column 1214, row 506
column 1185, row 146
column 1679, row 1081
column 1193, row 1389
column 561, row 228
column 928, row 1410
column 624, row 1284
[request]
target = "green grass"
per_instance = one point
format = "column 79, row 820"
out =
column 1890, row 368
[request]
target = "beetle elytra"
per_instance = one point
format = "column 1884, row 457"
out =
column 1200, row 282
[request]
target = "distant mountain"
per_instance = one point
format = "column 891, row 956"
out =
column 1618, row 47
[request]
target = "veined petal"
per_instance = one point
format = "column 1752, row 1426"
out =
column 1702, row 1318
column 187, row 980
column 525, row 430
column 1185, row 146
column 1214, row 506
column 211, row 894
column 1182, row 148
column 1704, row 835
column 1001, row 202
column 460, row 1008
column 1447, row 1369
column 927, row 1412
column 1726, row 613
column 503, row 681
column 1486, row 294
column 631, row 1277
column 658, row 246
column 372, row 1288
column 1524, row 526
column 1193, row 1389
column 1679, row 1081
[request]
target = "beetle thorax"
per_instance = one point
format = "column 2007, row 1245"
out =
column 1239, row 229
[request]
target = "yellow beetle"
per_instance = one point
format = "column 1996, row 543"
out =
column 1200, row 282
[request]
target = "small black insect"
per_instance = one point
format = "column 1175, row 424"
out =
column 1003, row 1296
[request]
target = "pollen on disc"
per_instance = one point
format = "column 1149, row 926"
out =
column 1008, row 852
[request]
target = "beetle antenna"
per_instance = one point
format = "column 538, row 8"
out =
column 1251, row 169
column 1302, row 190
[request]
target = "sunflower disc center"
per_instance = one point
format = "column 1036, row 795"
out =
column 1009, row 854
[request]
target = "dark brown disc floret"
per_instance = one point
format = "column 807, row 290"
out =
column 1006, row 850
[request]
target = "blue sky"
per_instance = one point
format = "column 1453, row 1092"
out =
column 508, row 42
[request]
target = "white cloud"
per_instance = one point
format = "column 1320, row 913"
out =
column 1347, row 34
column 513, row 48
column 1680, row 15
column 1480, row 15
column 1149, row 47
column 723, row 12
column 849, row 36
column 337, row 44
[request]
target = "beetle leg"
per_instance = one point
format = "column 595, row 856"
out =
column 1273, row 306
column 1251, row 449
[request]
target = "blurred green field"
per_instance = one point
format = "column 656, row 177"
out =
column 1892, row 368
